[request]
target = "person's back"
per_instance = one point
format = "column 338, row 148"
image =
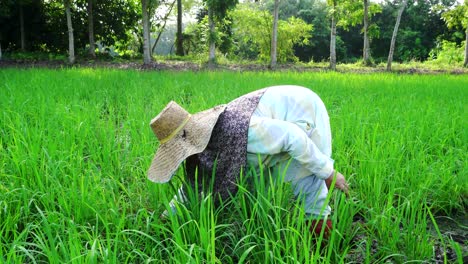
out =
column 290, row 103
column 296, row 105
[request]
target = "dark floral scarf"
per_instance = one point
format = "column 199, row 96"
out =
column 226, row 152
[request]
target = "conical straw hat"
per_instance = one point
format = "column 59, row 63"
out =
column 180, row 135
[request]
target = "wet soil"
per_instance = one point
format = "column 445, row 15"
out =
column 453, row 233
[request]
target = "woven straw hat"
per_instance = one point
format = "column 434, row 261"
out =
column 180, row 135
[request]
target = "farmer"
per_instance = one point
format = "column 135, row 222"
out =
column 281, row 128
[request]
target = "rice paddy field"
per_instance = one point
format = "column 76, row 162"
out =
column 75, row 145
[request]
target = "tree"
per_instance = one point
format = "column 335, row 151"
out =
column 333, row 35
column 180, row 36
column 253, row 34
column 274, row 35
column 21, row 5
column 21, row 17
column 114, row 24
column 117, row 22
column 71, row 41
column 91, row 29
column 465, row 64
column 420, row 31
column 5, row 13
column 318, row 49
column 458, row 18
column 212, row 38
column 179, row 39
column 217, row 11
column 394, row 35
column 355, row 12
column 366, row 48
column 146, row 32
column 163, row 26
column 45, row 23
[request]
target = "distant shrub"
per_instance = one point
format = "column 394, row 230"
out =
column 129, row 54
column 34, row 56
column 447, row 52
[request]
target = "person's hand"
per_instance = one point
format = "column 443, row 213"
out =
column 340, row 183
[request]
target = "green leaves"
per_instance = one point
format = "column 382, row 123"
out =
column 457, row 17
column 254, row 26
column 221, row 7
column 351, row 13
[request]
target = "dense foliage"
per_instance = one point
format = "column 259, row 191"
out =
column 45, row 27
column 242, row 29
column 253, row 33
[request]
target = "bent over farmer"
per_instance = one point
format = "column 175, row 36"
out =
column 279, row 128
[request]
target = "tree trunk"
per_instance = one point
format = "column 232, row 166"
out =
column 21, row 17
column 274, row 36
column 92, row 45
column 212, row 50
column 465, row 64
column 366, row 48
column 146, row 33
column 394, row 35
column 179, row 40
column 71, row 41
column 333, row 39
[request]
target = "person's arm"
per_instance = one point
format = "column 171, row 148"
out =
column 272, row 136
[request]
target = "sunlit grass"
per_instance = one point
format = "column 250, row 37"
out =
column 75, row 145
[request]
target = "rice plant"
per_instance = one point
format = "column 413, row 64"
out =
column 75, row 145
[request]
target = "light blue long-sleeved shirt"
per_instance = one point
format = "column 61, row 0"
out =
column 291, row 122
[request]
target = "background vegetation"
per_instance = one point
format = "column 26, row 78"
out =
column 75, row 145
column 430, row 30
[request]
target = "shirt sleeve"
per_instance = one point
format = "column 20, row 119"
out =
column 273, row 136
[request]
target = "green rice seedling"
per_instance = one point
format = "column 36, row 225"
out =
column 75, row 145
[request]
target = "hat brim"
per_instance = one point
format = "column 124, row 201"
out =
column 190, row 140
